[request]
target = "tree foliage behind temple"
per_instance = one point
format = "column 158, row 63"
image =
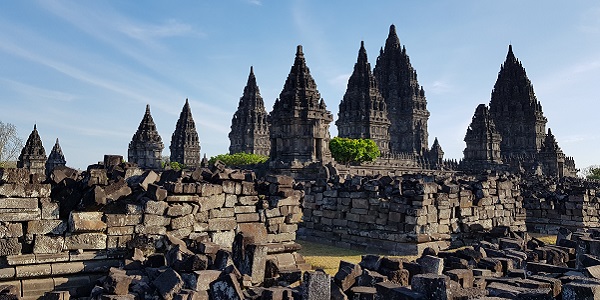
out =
column 345, row 150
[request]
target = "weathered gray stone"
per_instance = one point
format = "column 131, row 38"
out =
column 316, row 286
column 46, row 226
column 168, row 283
column 433, row 286
column 431, row 264
column 156, row 220
column 347, row 274
column 122, row 219
column 155, row 207
column 44, row 244
column 24, row 203
column 10, row 246
column 226, row 288
column 182, row 222
column 85, row 241
column 205, row 278
column 86, row 222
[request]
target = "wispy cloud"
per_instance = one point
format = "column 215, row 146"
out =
column 440, row 87
column 37, row 92
column 149, row 33
column 254, row 2
column 340, row 81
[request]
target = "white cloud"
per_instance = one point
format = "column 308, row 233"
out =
column 340, row 81
column 37, row 92
column 255, row 2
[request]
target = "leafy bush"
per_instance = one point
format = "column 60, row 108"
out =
column 591, row 172
column 239, row 159
column 345, row 150
column 176, row 166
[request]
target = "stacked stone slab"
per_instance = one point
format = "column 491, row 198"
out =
column 403, row 215
column 94, row 219
column 504, row 265
column 552, row 203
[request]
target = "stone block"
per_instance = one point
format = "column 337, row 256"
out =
column 46, row 226
column 113, row 220
column 156, row 220
column 22, row 216
column 182, row 222
column 34, row 288
column 226, row 287
column 221, row 224
column 52, row 258
column 316, row 285
column 177, row 210
column 67, row 268
column 22, row 203
column 223, row 238
column 151, row 230
column 85, row 241
column 155, row 207
column 31, row 271
column 168, row 284
column 464, row 277
column 117, row 281
column 255, row 231
column 10, row 246
column 183, row 198
column 431, row 264
column 44, row 244
column 7, row 273
column 25, row 190
column 121, row 230
column 116, row 191
column 156, row 192
column 205, row 278
column 50, row 209
column 577, row 291
column 9, row 230
column 211, row 202
column 209, row 189
column 347, row 274
column 86, row 222
column 433, row 286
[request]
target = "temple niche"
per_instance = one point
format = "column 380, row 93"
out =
column 363, row 112
column 249, row 125
column 185, row 144
column 55, row 159
column 300, row 120
column 146, row 145
column 33, row 155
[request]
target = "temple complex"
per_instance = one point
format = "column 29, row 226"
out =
column 146, row 145
column 300, row 120
column 250, row 126
column 363, row 112
column 33, row 155
column 55, row 159
column 185, row 144
column 405, row 98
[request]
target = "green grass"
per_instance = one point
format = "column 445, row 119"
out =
column 328, row 257
column 546, row 238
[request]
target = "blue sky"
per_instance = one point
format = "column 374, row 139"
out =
column 85, row 70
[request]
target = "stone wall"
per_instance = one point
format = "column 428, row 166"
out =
column 403, row 215
column 568, row 202
column 65, row 235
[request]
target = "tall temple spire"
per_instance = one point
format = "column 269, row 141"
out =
column 300, row 119
column 363, row 112
column 483, row 141
column 55, row 159
column 405, row 98
column 185, row 144
column 249, row 125
column 33, row 154
column 516, row 111
column 146, row 145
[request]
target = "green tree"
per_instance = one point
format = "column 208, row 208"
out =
column 591, row 172
column 345, row 150
column 239, row 159
column 10, row 144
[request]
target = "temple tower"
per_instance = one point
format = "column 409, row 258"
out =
column 185, row 144
column 300, row 120
column 436, row 154
column 405, row 98
column 516, row 111
column 250, row 126
column 363, row 112
column 33, row 155
column 483, row 141
column 55, row 159
column 146, row 145
column 552, row 157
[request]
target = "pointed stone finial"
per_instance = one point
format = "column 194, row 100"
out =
column 187, row 101
column 299, row 51
column 251, row 70
column 549, row 131
column 147, row 108
column 393, row 29
column 34, row 126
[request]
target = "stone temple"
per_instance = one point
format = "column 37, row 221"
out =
column 33, row 156
column 146, row 146
column 185, row 144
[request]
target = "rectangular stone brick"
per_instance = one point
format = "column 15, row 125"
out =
column 65, row 268
column 22, row 259
column 44, row 244
column 211, row 202
column 85, row 241
column 155, row 220
column 155, row 207
column 181, row 222
column 21, row 216
column 25, row 190
column 46, row 226
column 50, row 209
column 225, row 212
column 51, row 258
column 24, row 203
column 28, row 271
column 88, row 255
column 143, row 229
column 10, row 246
column 244, row 209
column 179, row 209
column 86, row 221
column 183, row 198
column 7, row 273
column 208, row 189
column 122, row 219
column 221, row 224
column 34, row 288
column 246, row 218
column 120, row 230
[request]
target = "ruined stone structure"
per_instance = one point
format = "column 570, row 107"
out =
column 185, row 144
column 363, row 112
column 55, row 159
column 300, row 120
column 483, row 142
column 33, row 154
column 146, row 145
column 250, row 126
column 405, row 98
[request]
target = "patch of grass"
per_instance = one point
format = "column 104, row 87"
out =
column 546, row 238
column 328, row 257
